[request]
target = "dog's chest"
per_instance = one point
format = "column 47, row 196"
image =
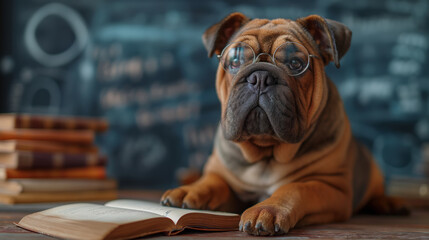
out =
column 251, row 181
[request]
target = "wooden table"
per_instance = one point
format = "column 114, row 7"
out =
column 415, row 226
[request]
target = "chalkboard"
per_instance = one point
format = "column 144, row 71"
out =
column 144, row 68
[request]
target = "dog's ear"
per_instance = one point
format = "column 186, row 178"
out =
column 216, row 37
column 332, row 37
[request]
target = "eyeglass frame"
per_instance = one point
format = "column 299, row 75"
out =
column 273, row 59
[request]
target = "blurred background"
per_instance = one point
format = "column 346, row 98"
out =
column 142, row 66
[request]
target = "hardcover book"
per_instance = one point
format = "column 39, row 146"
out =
column 124, row 219
column 39, row 197
column 45, row 146
column 38, row 160
column 64, row 136
column 96, row 172
column 34, row 185
column 16, row 121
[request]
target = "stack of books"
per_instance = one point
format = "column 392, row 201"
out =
column 52, row 159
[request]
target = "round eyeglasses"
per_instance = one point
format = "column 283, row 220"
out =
column 291, row 56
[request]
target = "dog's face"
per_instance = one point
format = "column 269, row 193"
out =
column 271, row 80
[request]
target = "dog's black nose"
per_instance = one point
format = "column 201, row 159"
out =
column 261, row 80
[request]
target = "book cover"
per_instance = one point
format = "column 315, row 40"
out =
column 33, row 185
column 45, row 146
column 39, row 197
column 96, row 172
column 17, row 121
column 45, row 160
column 82, row 137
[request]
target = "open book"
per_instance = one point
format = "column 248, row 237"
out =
column 124, row 219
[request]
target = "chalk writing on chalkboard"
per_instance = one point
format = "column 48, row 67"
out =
column 144, row 68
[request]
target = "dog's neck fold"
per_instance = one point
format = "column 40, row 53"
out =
column 253, row 153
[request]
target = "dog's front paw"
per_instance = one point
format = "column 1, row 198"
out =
column 269, row 219
column 186, row 197
column 210, row 192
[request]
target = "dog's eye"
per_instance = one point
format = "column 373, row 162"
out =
column 295, row 64
column 293, row 56
column 235, row 56
column 234, row 64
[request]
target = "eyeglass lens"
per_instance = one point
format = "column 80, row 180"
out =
column 291, row 56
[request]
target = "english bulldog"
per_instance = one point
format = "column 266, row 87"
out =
column 284, row 150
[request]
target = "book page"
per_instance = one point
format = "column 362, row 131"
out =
column 7, row 121
column 98, row 213
column 171, row 212
column 7, row 146
column 96, row 222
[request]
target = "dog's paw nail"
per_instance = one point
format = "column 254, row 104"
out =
column 166, row 202
column 276, row 228
column 247, row 226
column 184, row 205
column 259, row 228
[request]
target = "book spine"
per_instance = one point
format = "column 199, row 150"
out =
column 83, row 173
column 64, row 136
column 59, row 185
column 52, row 147
column 34, row 160
column 47, row 122
column 59, row 197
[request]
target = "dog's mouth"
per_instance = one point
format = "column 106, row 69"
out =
column 261, row 116
column 257, row 123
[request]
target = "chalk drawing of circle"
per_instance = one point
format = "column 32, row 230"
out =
column 42, row 94
column 72, row 18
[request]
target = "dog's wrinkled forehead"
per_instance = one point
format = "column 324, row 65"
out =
column 264, row 35
column 331, row 39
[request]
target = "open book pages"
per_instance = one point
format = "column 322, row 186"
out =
column 95, row 222
column 98, row 213
column 123, row 219
column 174, row 214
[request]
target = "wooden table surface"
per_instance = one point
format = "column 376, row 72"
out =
column 415, row 226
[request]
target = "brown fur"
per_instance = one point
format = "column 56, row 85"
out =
column 321, row 175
